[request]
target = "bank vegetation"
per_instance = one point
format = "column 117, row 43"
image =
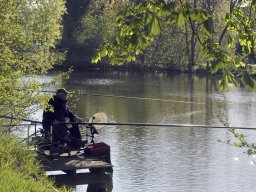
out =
column 29, row 31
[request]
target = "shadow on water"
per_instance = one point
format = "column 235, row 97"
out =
column 94, row 182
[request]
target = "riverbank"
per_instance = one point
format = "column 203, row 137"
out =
column 200, row 70
column 132, row 68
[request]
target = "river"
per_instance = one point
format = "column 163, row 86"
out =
column 157, row 159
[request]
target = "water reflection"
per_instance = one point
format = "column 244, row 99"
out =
column 94, row 182
column 169, row 159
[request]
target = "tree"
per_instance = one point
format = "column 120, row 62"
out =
column 139, row 24
column 28, row 34
column 94, row 29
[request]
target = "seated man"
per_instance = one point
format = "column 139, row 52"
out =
column 57, row 116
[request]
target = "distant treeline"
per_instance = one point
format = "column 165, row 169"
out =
column 90, row 25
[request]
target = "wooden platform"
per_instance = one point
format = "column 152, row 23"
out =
column 73, row 162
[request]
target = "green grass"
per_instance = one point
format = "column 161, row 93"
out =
column 19, row 170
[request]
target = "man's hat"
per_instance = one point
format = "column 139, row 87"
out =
column 62, row 90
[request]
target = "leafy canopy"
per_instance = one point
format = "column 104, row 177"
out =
column 139, row 24
column 29, row 30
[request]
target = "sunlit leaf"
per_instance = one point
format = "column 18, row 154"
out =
column 223, row 82
column 238, row 144
column 242, row 64
column 155, row 28
column 181, row 19
column 104, row 52
column 96, row 58
column 230, row 40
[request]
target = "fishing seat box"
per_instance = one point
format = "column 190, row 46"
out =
column 99, row 150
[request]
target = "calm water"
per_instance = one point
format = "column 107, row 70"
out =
column 159, row 159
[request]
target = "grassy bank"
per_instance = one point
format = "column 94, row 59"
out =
column 19, row 170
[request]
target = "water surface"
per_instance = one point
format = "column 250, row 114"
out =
column 157, row 159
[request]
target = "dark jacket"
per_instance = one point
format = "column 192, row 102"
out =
column 60, row 112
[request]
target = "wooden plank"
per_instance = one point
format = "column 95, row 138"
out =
column 72, row 163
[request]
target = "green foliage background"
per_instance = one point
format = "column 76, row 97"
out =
column 157, row 34
column 28, row 34
column 29, row 31
column 140, row 23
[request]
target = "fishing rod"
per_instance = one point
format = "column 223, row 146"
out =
column 166, row 125
column 142, row 98
column 22, row 119
column 140, row 124
column 131, row 97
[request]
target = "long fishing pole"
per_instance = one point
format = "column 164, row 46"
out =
column 132, row 97
column 147, row 124
column 142, row 98
column 22, row 119
column 168, row 125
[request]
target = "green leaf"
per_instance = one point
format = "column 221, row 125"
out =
column 247, row 80
column 204, row 14
column 238, row 144
column 246, row 49
column 223, row 82
column 148, row 18
column 138, row 51
column 155, row 28
column 181, row 19
column 250, row 152
column 199, row 15
column 227, row 17
column 242, row 64
column 173, row 6
column 131, row 58
column 207, row 27
column 194, row 15
column 96, row 58
column 230, row 41
column 214, row 68
column 232, row 79
column 104, row 53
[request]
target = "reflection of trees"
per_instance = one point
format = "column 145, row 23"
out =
column 96, row 182
column 193, row 94
column 140, row 142
column 191, row 86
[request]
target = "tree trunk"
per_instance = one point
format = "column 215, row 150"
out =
column 192, row 55
column 193, row 42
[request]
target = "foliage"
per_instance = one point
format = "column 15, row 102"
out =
column 28, row 34
column 29, row 30
column 139, row 24
column 19, row 169
column 167, row 51
column 241, row 139
column 95, row 28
